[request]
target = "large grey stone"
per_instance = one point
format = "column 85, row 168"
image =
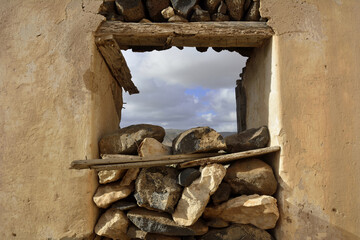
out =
column 195, row 197
column 155, row 7
column 260, row 211
column 251, row 176
column 113, row 224
column 183, row 7
column 236, row 232
column 157, row 222
column 253, row 138
column 235, row 8
column 196, row 140
column 156, row 188
column 127, row 140
column 132, row 10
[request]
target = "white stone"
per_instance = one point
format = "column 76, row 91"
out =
column 108, row 176
column 113, row 224
column 152, row 147
column 107, row 194
column 130, row 176
column 168, row 12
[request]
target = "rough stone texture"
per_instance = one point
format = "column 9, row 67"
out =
column 222, row 8
column 253, row 138
column 177, row 18
column 55, row 94
column 195, row 197
column 157, row 222
column 236, row 9
column 200, row 15
column 187, row 176
column 137, row 233
column 108, row 176
column 236, row 232
column 183, row 7
column 113, row 224
column 109, row 193
column 211, row 5
column 168, row 12
column 222, row 194
column 253, row 13
column 196, row 140
column 156, row 188
column 217, row 223
column 127, row 140
column 152, row 147
column 219, row 17
column 132, row 10
column 130, row 176
column 251, row 176
column 260, row 211
column 155, row 7
column 124, row 204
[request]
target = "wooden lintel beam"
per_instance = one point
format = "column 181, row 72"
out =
column 113, row 57
column 192, row 34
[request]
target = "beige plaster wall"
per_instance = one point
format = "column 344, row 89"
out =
column 55, row 102
column 305, row 85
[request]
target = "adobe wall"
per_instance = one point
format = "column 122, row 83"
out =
column 56, row 101
column 305, row 85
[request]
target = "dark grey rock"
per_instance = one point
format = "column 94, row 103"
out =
column 124, row 205
column 132, row 10
column 200, row 15
column 236, row 232
column 222, row 8
column 253, row 13
column 187, row 176
column 196, row 140
column 219, row 17
column 222, row 194
column 235, row 8
column 156, row 188
column 184, row 7
column 127, row 140
column 155, row 7
column 157, row 222
column 251, row 176
column 253, row 138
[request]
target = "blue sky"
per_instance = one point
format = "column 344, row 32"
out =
column 183, row 88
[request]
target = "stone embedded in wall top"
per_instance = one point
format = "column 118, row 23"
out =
column 127, row 140
column 152, row 147
column 168, row 12
column 235, row 8
column 155, row 7
column 211, row 5
column 253, row 13
column 222, row 194
column 108, row 176
column 183, row 7
column 200, row 15
column 132, row 10
column 197, row 140
column 260, row 211
column 177, row 18
column 107, row 194
column 253, row 138
column 187, row 176
column 113, row 224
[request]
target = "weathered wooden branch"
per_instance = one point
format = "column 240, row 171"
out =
column 230, row 157
column 192, row 34
column 113, row 57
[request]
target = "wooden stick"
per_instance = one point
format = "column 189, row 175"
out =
column 230, row 157
column 118, row 159
column 136, row 165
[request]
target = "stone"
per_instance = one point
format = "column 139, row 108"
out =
column 177, row 18
column 197, row 140
column 113, row 224
column 217, row 223
column 253, row 138
column 236, row 232
column 251, row 176
column 124, row 204
column 219, row 17
column 155, row 7
column 134, row 232
column 183, row 7
column 187, row 176
column 130, row 176
column 145, row 20
column 260, row 211
column 235, row 8
column 108, row 176
column 199, row 227
column 247, row 5
column 157, row 222
column 156, row 188
column 132, row 10
column 153, row 236
column 253, row 13
column 168, row 12
column 105, row 195
column 211, row 5
column 200, row 15
column 222, row 8
column 152, row 147
column 127, row 140
column 196, row 196
column 222, row 194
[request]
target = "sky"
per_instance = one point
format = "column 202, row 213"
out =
column 182, row 89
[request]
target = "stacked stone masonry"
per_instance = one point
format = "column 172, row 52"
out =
column 215, row 201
